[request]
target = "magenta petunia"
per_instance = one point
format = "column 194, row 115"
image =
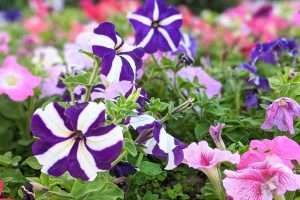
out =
column 281, row 113
column 16, row 81
column 4, row 40
column 262, row 181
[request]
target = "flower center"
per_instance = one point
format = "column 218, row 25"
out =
column 155, row 24
column 11, row 80
column 78, row 134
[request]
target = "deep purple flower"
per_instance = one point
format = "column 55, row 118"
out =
column 263, row 11
column 281, row 113
column 251, row 99
column 157, row 26
column 75, row 139
column 259, row 82
column 216, row 134
column 270, row 52
column 123, row 169
column 120, row 61
column 12, row 15
column 157, row 141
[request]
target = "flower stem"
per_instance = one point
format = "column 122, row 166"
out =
column 91, row 80
column 214, row 177
column 185, row 105
column 278, row 197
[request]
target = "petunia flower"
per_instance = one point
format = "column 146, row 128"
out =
column 188, row 46
column 200, row 156
column 75, row 139
column 216, row 134
column 261, row 150
column 263, row 181
column 4, row 40
column 120, row 61
column 212, row 86
column 157, row 26
column 157, row 141
column 281, row 113
column 46, row 56
column 16, row 81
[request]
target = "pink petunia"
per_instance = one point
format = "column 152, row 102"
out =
column 4, row 40
column 260, row 182
column 16, row 81
column 36, row 25
column 201, row 156
column 261, row 150
column 212, row 86
column 281, row 113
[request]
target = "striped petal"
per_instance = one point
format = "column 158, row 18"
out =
column 140, row 18
column 168, row 39
column 171, row 19
column 49, row 122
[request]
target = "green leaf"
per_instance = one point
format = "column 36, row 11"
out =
column 150, row 168
column 130, row 147
column 32, row 162
column 150, row 196
column 80, row 79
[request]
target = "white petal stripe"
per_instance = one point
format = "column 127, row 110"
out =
column 140, row 18
column 53, row 121
column 150, row 145
column 171, row 162
column 99, row 143
column 54, row 154
column 146, row 39
column 131, row 63
column 89, row 115
column 166, row 141
column 101, row 40
column 170, row 20
column 86, row 161
column 141, row 120
column 115, row 71
column 155, row 11
column 167, row 38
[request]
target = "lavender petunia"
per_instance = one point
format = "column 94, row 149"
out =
column 281, row 113
column 157, row 141
column 157, row 26
column 75, row 139
column 120, row 61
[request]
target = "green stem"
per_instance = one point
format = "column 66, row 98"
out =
column 185, row 105
column 121, row 156
column 278, row 197
column 30, row 110
column 214, row 177
column 140, row 159
column 155, row 61
column 92, row 79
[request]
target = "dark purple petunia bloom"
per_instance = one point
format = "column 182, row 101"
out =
column 12, row 15
column 123, row 169
column 157, row 26
column 157, row 141
column 75, row 139
column 270, row 52
column 251, row 99
column 120, row 61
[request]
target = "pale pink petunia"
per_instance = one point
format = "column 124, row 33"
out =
column 281, row 113
column 16, row 81
column 260, row 182
column 36, row 25
column 212, row 86
column 4, row 40
column 201, row 156
column 261, row 150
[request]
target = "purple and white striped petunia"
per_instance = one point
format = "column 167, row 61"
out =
column 188, row 46
column 157, row 141
column 75, row 140
column 120, row 61
column 157, row 26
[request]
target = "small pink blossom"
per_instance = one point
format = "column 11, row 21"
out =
column 4, row 40
column 261, row 150
column 281, row 113
column 36, row 25
column 260, row 182
column 201, row 156
column 212, row 86
column 16, row 81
